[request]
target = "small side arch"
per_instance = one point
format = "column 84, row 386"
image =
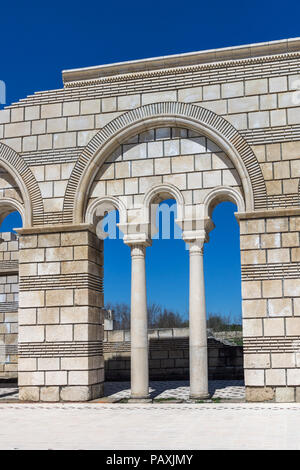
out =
column 24, row 178
column 222, row 194
column 157, row 194
column 8, row 205
column 105, row 204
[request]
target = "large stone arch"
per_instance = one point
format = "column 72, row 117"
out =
column 158, row 115
column 15, row 165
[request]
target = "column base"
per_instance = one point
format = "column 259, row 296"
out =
column 140, row 400
column 203, row 396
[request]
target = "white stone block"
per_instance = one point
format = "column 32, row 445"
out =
column 31, row 334
column 211, row 179
column 64, row 140
column 142, row 168
column 128, row 102
column 51, row 110
column 190, row 95
column 159, row 96
column 90, row 106
column 79, row 123
column 182, row 164
column 254, row 378
column 71, row 108
column 277, row 84
column 256, row 86
column 162, row 166
column 259, row 119
column 155, row 149
column 134, row 151
column 242, row 105
column 280, row 307
column 196, row 145
column 211, row 92
column 194, row 180
column 275, row 377
column 109, row 104
column 231, row 90
column 171, row 148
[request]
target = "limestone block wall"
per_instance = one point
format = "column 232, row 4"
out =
column 280, row 167
column 9, row 290
column 169, row 356
column 60, row 315
column 271, row 306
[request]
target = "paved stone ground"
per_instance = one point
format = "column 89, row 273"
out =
column 150, row 426
column 223, row 389
column 8, row 392
column 179, row 390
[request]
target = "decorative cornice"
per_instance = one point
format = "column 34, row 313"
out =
column 189, row 62
column 268, row 213
column 176, row 78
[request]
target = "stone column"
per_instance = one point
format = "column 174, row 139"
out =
column 60, row 315
column 139, row 325
column 197, row 324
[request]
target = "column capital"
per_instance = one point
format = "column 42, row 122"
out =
column 197, row 231
column 196, row 246
column 135, row 234
column 138, row 250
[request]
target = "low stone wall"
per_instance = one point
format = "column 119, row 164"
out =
column 228, row 335
column 169, row 356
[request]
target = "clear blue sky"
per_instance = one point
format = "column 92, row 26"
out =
column 39, row 39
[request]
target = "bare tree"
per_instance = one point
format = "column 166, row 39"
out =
column 159, row 317
column 218, row 322
column 121, row 315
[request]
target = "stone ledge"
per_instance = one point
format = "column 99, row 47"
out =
column 55, row 229
column 248, row 51
column 267, row 213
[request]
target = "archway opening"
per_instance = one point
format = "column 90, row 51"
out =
column 223, row 292
column 116, row 274
column 156, row 168
column 167, row 269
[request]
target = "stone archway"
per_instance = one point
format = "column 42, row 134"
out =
column 164, row 114
column 33, row 203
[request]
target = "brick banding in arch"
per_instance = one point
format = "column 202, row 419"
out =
column 174, row 110
column 24, row 177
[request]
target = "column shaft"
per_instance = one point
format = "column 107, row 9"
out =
column 139, row 327
column 197, row 323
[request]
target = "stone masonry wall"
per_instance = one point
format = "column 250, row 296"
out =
column 169, row 356
column 270, row 257
column 186, row 159
column 9, row 289
column 60, row 316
